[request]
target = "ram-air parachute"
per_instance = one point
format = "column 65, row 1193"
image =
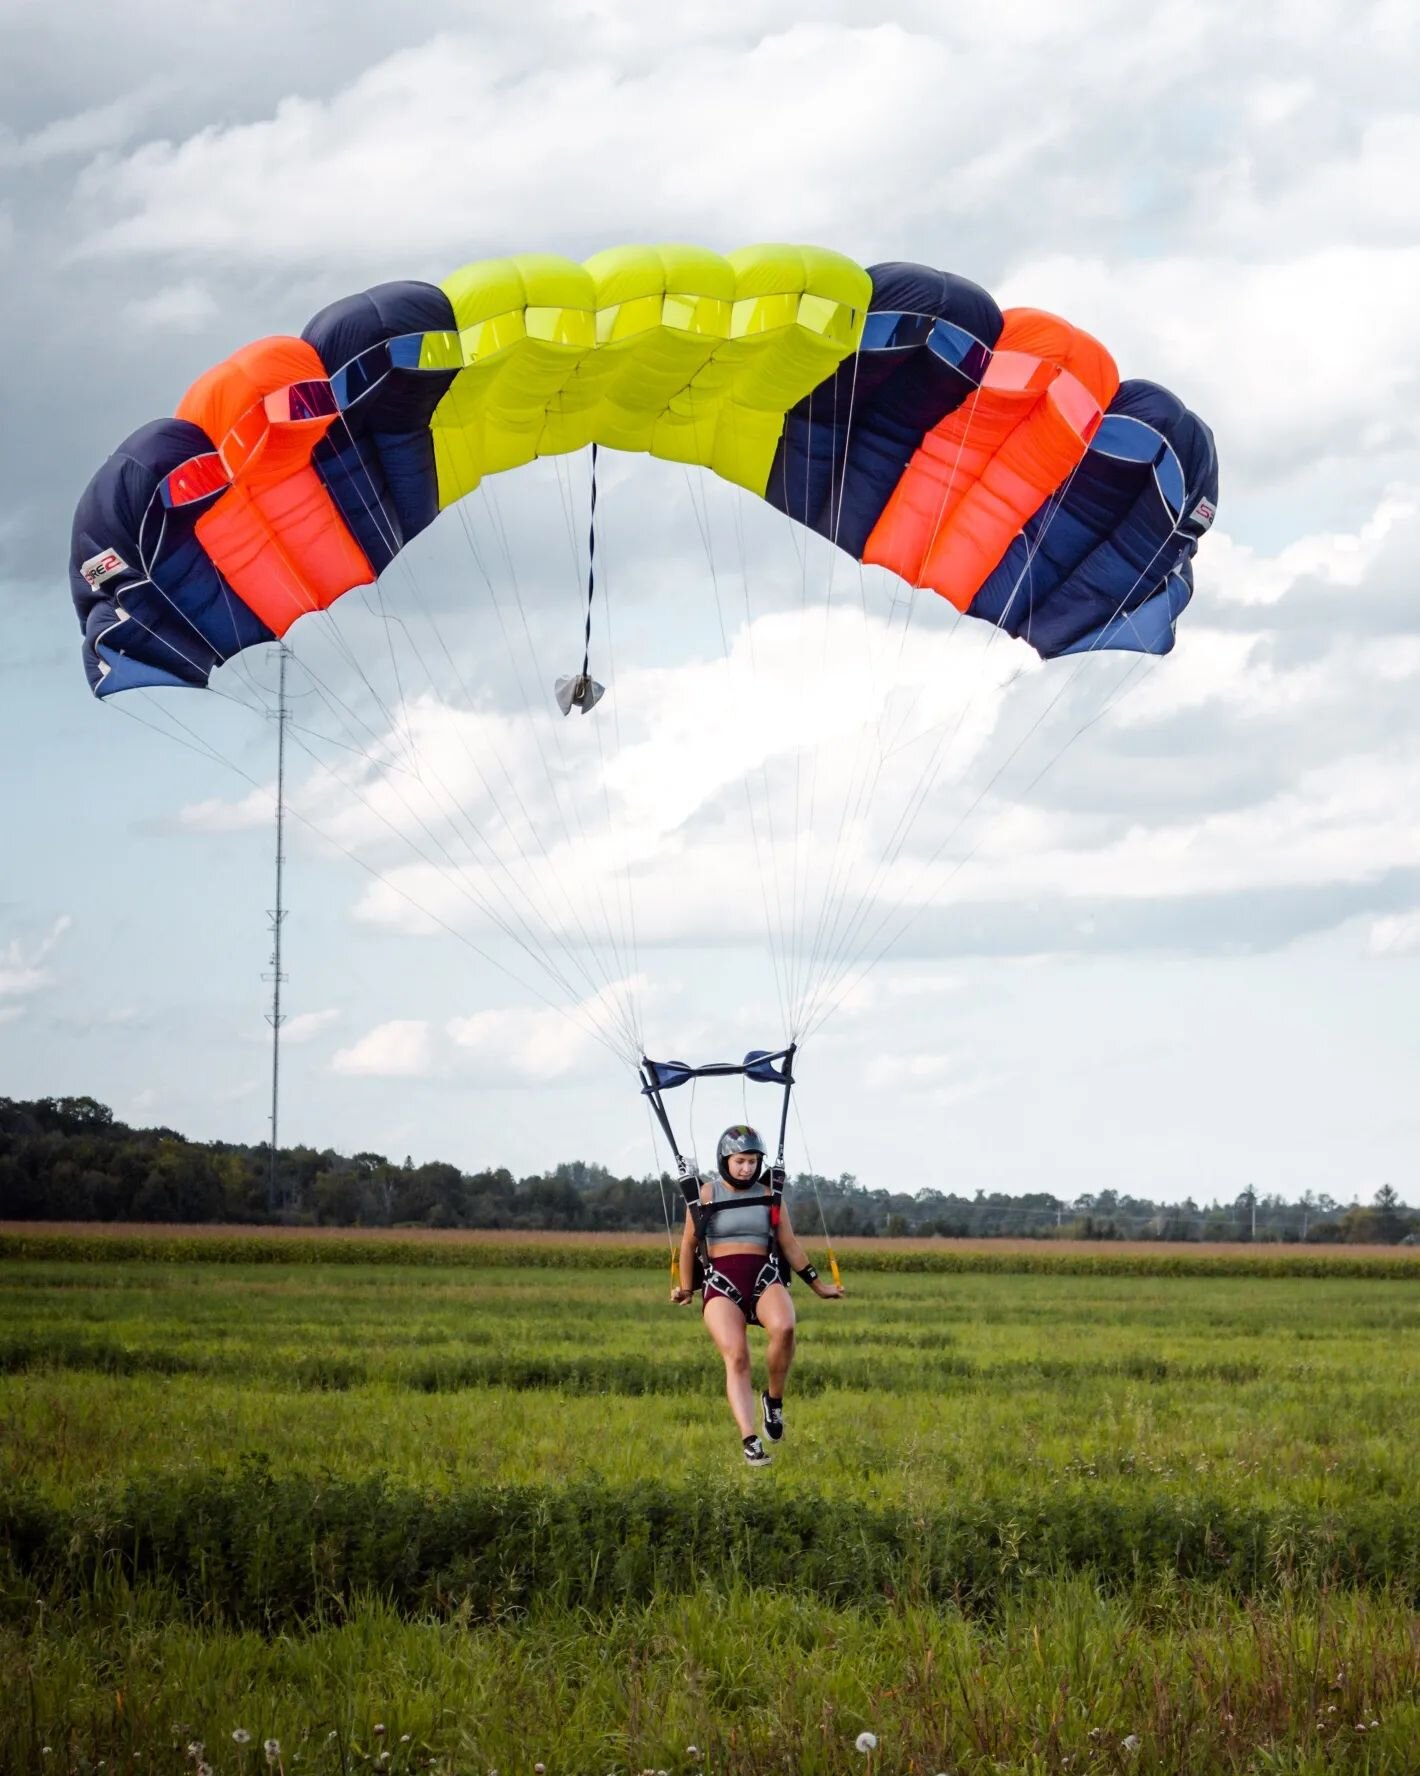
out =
column 992, row 456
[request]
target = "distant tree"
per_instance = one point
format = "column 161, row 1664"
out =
column 1391, row 1224
column 68, row 1158
column 342, row 1197
column 1358, row 1226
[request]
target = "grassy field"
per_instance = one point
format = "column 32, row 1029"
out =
column 1029, row 1521
column 456, row 1239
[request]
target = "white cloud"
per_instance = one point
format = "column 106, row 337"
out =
column 922, row 1076
column 1397, row 935
column 917, row 1068
column 619, row 125
column 719, row 761
column 529, row 1046
column 24, row 967
column 181, row 307
column 10, row 1014
column 1335, row 824
column 214, row 815
column 1239, row 574
column 813, row 101
column 80, row 135
column 690, row 730
column 234, row 1094
column 1252, row 345
column 790, row 726
column 305, row 1026
column 1366, row 189
column 400, row 1049
column 88, row 1017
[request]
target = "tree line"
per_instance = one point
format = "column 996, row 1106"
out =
column 68, row 1159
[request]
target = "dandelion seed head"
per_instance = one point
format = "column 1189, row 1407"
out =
column 378, row 1728
column 272, row 1748
column 240, row 1736
column 539, row 1770
column 1130, row 1742
column 404, row 1738
column 866, row 1742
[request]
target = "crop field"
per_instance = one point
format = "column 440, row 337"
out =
column 408, row 1511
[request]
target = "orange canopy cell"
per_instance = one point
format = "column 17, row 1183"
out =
column 276, row 536
column 986, row 467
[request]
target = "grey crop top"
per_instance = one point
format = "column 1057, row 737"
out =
column 744, row 1221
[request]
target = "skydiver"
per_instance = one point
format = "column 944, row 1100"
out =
column 746, row 1280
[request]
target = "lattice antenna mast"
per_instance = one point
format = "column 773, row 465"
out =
column 277, row 915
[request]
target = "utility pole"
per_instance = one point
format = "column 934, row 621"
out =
column 277, row 915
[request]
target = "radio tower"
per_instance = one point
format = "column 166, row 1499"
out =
column 277, row 914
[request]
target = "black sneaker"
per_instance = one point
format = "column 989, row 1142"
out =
column 773, row 1418
column 756, row 1454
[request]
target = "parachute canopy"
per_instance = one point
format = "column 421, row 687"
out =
column 993, row 456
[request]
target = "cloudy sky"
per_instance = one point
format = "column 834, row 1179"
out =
column 1154, row 925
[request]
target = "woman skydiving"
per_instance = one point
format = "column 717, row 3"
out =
column 749, row 1247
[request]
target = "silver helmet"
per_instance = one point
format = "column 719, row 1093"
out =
column 740, row 1139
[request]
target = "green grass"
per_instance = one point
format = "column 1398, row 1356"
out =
column 337, row 1247
column 501, row 1508
column 754, row 1681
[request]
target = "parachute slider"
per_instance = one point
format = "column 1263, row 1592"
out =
column 758, row 1064
column 581, row 693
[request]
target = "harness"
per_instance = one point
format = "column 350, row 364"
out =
column 776, row 1068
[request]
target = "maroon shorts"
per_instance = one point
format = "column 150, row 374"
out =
column 742, row 1277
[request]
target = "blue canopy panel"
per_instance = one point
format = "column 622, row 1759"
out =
column 926, row 342
column 153, row 608
column 377, row 460
column 1149, row 629
column 1116, row 541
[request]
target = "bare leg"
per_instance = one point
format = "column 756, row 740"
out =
column 776, row 1314
column 726, row 1325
